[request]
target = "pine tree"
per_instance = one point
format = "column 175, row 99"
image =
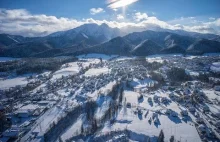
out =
column 172, row 139
column 60, row 139
column 82, row 129
column 161, row 136
column 94, row 125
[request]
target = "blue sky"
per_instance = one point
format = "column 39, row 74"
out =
column 192, row 15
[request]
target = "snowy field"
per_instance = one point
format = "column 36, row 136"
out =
column 154, row 59
column 215, row 67
column 136, row 83
column 73, row 68
column 13, row 82
column 97, row 72
column 140, row 124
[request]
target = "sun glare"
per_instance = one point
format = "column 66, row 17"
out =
column 121, row 3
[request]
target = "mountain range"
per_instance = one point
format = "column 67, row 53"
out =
column 93, row 38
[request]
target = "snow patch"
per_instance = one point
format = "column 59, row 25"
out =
column 96, row 72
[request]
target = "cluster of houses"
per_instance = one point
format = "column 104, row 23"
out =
column 22, row 118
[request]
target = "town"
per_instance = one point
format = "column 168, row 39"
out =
column 98, row 97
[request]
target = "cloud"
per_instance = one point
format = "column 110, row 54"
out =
column 113, row 4
column 185, row 21
column 192, row 24
column 140, row 16
column 120, row 17
column 21, row 22
column 211, row 18
column 95, row 11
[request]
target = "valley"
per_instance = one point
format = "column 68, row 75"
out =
column 98, row 97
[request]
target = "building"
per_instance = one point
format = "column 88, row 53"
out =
column 202, row 128
column 184, row 113
column 26, row 111
column 217, row 124
column 12, row 133
column 217, row 87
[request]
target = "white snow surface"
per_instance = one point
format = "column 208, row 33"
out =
column 139, row 124
column 13, row 82
column 142, row 83
column 215, row 67
column 72, row 68
column 70, row 131
column 97, row 71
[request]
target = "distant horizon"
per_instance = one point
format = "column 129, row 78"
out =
column 163, row 30
column 43, row 17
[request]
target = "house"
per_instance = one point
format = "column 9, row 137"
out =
column 140, row 97
column 156, row 120
column 43, row 103
column 186, row 91
column 210, row 133
column 168, row 111
column 173, row 113
column 179, row 99
column 164, row 100
column 140, row 112
column 217, row 115
column 192, row 109
column 205, row 108
column 26, row 111
column 165, row 87
column 186, row 96
column 217, row 87
column 23, row 113
column 202, row 128
column 184, row 113
column 12, row 133
column 154, row 116
column 217, row 124
column 156, row 98
column 171, row 95
column 137, row 89
column 149, row 99
column 80, row 98
column 199, row 120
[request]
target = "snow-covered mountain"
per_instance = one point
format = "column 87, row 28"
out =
column 93, row 38
column 151, row 42
column 116, row 46
column 101, row 33
column 204, row 46
column 88, row 34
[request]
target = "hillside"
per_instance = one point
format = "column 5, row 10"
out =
column 147, row 47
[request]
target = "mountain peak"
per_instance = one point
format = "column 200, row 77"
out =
column 104, row 25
